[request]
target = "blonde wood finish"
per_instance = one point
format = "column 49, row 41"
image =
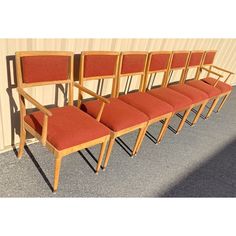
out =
column 223, row 101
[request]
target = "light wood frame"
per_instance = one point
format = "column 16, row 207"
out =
column 114, row 135
column 165, row 80
column 58, row 154
column 142, row 74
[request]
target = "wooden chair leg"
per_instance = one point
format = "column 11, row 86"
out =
column 163, row 129
column 183, row 120
column 103, row 147
column 141, row 139
column 109, row 149
column 58, row 159
column 200, row 110
column 22, row 143
column 213, row 105
column 138, row 139
column 223, row 102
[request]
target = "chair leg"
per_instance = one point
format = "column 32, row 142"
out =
column 103, row 147
column 58, row 159
column 163, row 129
column 138, row 139
column 183, row 120
column 109, row 149
column 22, row 143
column 200, row 110
column 141, row 139
column 223, row 102
column 213, row 105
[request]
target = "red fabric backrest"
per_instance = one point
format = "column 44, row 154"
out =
column 179, row 60
column 99, row 65
column 159, row 61
column 209, row 58
column 133, row 63
column 44, row 68
column 195, row 58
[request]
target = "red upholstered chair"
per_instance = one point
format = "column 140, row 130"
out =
column 161, row 62
column 181, row 61
column 221, row 83
column 63, row 130
column 212, row 92
column 133, row 65
column 118, row 116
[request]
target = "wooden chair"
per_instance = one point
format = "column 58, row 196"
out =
column 212, row 92
column 223, row 84
column 118, row 116
column 160, row 62
column 63, row 130
column 133, row 65
column 182, row 61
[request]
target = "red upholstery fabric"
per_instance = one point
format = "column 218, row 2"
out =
column 176, row 100
column 209, row 58
column 210, row 90
column 44, row 68
column 150, row 105
column 195, row 58
column 159, row 61
column 99, row 65
column 117, row 115
column 133, row 63
column 223, row 87
column 194, row 94
column 68, row 127
column 179, row 60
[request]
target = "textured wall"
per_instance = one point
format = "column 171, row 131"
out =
column 9, row 111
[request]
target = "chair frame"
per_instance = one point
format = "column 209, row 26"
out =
column 114, row 134
column 58, row 154
column 142, row 75
column 165, row 81
column 223, row 95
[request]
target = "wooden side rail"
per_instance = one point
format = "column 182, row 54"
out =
column 224, row 70
column 214, row 73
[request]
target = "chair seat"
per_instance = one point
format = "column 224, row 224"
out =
column 222, row 86
column 150, row 105
column 210, row 90
column 117, row 115
column 67, row 127
column 176, row 100
column 194, row 94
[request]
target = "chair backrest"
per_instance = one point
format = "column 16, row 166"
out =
column 38, row 68
column 209, row 58
column 158, row 62
column 194, row 62
column 99, row 65
column 131, row 64
column 179, row 62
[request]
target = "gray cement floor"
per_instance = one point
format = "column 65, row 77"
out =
column 198, row 162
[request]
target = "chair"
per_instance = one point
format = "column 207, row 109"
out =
column 223, row 86
column 181, row 61
column 63, row 130
column 118, row 116
column 212, row 92
column 160, row 62
column 132, row 66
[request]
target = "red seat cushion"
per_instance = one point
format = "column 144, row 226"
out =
column 194, row 94
column 223, row 87
column 150, row 105
column 117, row 115
column 210, row 90
column 176, row 100
column 67, row 127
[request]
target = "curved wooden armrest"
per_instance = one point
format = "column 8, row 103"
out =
column 222, row 69
column 212, row 72
column 91, row 93
column 34, row 102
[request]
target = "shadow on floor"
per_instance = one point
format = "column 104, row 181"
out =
column 214, row 178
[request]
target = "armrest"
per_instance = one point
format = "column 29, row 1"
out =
column 34, row 102
column 212, row 72
column 91, row 93
column 222, row 69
